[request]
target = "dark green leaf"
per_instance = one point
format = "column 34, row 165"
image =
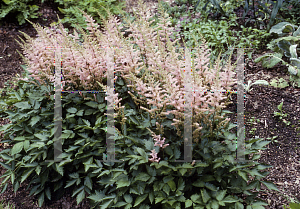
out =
column 140, row 199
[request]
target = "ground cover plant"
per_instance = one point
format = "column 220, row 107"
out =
column 256, row 90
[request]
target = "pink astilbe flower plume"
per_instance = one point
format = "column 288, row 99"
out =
column 147, row 48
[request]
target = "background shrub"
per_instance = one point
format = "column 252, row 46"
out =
column 21, row 9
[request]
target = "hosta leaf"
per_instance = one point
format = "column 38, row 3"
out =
column 293, row 51
column 284, row 45
column 281, row 26
column 271, row 60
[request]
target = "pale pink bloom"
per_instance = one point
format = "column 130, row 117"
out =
column 154, row 156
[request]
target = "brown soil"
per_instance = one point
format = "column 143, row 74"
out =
column 260, row 103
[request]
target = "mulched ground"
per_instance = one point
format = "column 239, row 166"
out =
column 260, row 103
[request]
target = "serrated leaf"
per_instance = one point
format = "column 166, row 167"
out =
column 188, row 203
column 87, row 122
column 243, row 175
column 92, row 104
column 142, row 177
column 23, row 105
column 17, row 148
column 195, row 198
column 123, row 182
column 149, row 145
column 140, row 199
column 182, row 171
column 198, row 183
column 151, row 171
column 151, row 197
column 80, row 196
column 59, row 169
column 270, row 185
column 238, row 205
column 128, row 198
column 70, row 183
column 166, row 189
column 88, row 182
column 42, row 137
column 229, row 199
column 34, row 120
column 26, row 174
column 172, row 185
column 210, row 186
column 220, row 195
column 120, row 204
column 177, row 153
column 205, row 195
column 134, row 120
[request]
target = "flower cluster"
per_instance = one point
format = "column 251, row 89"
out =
column 148, row 48
column 158, row 143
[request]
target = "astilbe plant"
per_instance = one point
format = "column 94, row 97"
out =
column 84, row 65
column 148, row 62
